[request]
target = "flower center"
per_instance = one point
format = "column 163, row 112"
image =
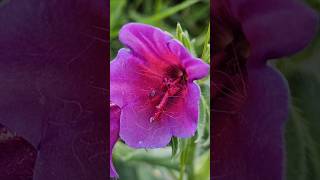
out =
column 171, row 88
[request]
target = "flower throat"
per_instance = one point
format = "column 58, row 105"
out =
column 172, row 87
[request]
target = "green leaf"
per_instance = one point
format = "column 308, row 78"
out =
column 202, row 131
column 187, row 158
column 174, row 143
column 206, row 47
column 183, row 37
column 179, row 32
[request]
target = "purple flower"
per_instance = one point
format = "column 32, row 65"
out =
column 115, row 112
column 250, row 99
column 53, row 84
column 152, row 82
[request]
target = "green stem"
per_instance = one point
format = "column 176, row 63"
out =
column 187, row 159
column 190, row 163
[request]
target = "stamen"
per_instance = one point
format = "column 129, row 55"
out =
column 171, row 86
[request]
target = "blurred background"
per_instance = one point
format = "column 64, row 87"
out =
column 183, row 158
column 303, row 127
column 193, row 15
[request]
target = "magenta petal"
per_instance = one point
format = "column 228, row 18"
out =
column 152, row 44
column 178, row 50
column 275, row 28
column 137, row 131
column 115, row 112
column 184, row 123
column 130, row 78
column 181, row 121
column 249, row 146
column 196, row 69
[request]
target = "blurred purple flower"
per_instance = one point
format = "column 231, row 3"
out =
column 17, row 156
column 152, row 82
column 250, row 99
column 114, row 133
column 53, row 63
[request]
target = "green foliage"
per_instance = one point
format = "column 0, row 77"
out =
column 314, row 3
column 2, row 2
column 302, row 133
column 162, row 14
column 206, row 47
column 183, row 158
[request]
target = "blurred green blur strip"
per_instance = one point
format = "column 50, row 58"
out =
column 193, row 15
column 302, row 133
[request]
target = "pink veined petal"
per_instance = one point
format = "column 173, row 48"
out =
column 115, row 112
column 131, row 78
column 275, row 28
column 249, row 145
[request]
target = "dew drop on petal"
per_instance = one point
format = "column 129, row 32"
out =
column 152, row 93
column 151, row 119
